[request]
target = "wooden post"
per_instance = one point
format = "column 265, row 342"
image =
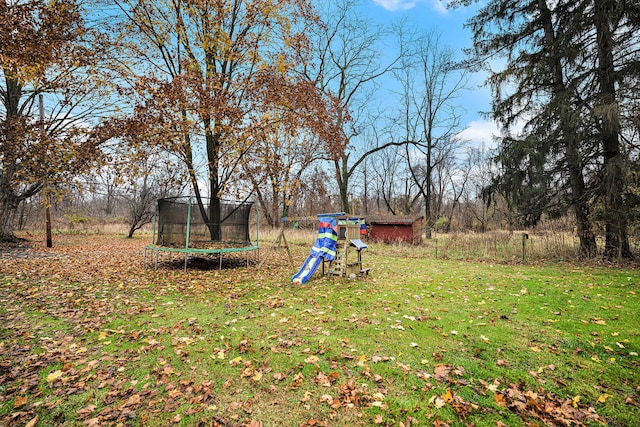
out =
column 45, row 191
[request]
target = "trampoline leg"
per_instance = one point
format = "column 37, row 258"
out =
column 155, row 267
column 220, row 266
column 185, row 261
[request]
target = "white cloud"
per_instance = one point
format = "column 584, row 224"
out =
column 480, row 132
column 441, row 6
column 393, row 5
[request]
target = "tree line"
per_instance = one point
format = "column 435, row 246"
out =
column 284, row 100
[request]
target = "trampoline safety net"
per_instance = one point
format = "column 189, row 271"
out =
column 178, row 215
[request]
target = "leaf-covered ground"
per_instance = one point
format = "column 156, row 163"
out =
column 89, row 336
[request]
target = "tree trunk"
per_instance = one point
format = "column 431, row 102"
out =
column 8, row 209
column 212, row 218
column 572, row 154
column 8, row 198
column 428, row 220
column 617, row 242
column 266, row 211
column 342, row 175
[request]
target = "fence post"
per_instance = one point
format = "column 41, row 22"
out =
column 525, row 236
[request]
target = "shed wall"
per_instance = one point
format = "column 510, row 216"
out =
column 394, row 231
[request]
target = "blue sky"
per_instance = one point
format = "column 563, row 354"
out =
column 434, row 15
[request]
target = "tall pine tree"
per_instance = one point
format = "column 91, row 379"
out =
column 569, row 66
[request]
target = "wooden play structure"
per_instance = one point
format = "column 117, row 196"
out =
column 349, row 247
column 338, row 248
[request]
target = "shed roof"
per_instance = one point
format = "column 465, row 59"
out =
column 394, row 220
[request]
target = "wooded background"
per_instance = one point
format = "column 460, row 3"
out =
column 109, row 105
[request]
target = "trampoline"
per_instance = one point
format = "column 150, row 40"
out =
column 218, row 227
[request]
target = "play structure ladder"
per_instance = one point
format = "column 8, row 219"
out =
column 344, row 264
column 336, row 267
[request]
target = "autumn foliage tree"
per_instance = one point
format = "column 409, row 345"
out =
column 209, row 77
column 45, row 53
column 287, row 157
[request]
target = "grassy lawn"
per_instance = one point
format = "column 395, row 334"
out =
column 88, row 336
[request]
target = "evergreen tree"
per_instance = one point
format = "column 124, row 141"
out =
column 569, row 67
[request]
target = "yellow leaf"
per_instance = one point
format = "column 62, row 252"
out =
column 575, row 401
column 102, row 335
column 361, row 359
column 448, row 396
column 54, row 376
column 306, row 397
column 603, row 398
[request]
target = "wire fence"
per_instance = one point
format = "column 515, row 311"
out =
column 492, row 246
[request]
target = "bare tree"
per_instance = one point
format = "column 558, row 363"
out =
column 431, row 85
column 478, row 163
column 346, row 66
column 386, row 174
column 147, row 179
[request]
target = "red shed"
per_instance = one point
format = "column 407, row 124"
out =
column 394, row 229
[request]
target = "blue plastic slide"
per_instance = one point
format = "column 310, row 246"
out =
column 323, row 248
column 309, row 267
